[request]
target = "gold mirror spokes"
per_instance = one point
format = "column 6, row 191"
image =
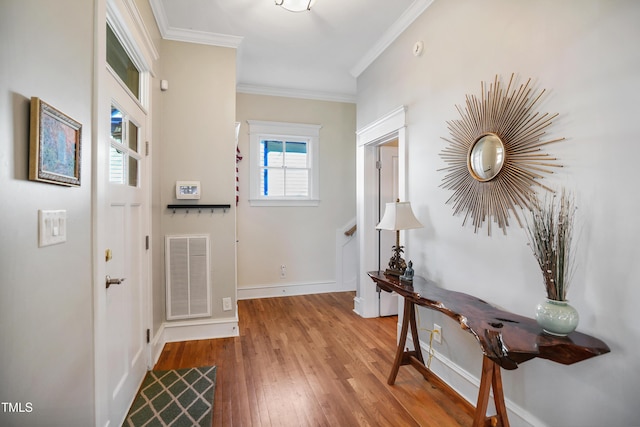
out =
column 494, row 154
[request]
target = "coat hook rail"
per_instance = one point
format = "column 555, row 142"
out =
column 199, row 207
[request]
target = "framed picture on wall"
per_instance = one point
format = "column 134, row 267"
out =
column 54, row 146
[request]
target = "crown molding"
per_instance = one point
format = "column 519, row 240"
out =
column 389, row 36
column 202, row 37
column 296, row 93
column 230, row 41
column 190, row 36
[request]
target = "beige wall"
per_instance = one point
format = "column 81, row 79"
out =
column 46, row 300
column 584, row 53
column 302, row 238
column 197, row 137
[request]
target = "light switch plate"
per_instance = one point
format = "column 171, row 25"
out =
column 52, row 227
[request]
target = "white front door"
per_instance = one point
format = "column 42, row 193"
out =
column 125, row 221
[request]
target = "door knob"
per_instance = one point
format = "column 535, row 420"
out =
column 114, row 281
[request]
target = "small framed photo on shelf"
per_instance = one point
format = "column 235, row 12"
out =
column 54, row 145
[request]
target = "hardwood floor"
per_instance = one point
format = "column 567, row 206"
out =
column 310, row 361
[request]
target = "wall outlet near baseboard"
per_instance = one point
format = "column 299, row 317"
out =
column 437, row 333
column 226, row 304
column 283, row 271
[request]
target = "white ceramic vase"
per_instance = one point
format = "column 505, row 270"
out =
column 557, row 317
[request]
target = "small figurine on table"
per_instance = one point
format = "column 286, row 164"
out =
column 408, row 273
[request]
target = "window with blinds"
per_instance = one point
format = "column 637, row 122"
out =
column 284, row 168
column 284, row 164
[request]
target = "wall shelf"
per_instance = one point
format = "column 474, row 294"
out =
column 199, row 208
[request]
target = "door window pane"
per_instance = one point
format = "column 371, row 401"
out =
column 133, row 172
column 122, row 64
column 124, row 158
column 116, row 165
column 133, row 137
column 116, row 125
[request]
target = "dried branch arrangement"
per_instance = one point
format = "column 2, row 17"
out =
column 509, row 114
column 550, row 230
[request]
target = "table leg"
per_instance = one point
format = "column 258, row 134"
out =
column 406, row 317
column 414, row 333
column 490, row 377
column 498, row 396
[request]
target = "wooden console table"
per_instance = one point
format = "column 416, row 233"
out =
column 506, row 339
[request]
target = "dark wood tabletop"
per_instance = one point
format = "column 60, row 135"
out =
column 506, row 338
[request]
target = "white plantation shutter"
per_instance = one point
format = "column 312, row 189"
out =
column 284, row 168
column 284, row 164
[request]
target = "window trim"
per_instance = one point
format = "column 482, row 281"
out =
column 261, row 130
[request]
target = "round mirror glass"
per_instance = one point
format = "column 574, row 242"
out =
column 486, row 157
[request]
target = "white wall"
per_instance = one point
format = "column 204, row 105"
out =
column 302, row 238
column 46, row 315
column 584, row 53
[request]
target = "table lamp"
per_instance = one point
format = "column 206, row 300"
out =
column 398, row 216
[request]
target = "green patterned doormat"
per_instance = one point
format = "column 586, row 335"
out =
column 176, row 398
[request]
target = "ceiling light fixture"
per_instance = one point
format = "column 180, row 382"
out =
column 295, row 5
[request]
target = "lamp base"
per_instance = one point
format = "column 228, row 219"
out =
column 396, row 273
column 397, row 265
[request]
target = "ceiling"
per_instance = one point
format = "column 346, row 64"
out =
column 315, row 54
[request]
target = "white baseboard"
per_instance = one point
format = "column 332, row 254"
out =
column 357, row 306
column 157, row 345
column 271, row 291
column 467, row 386
column 191, row 330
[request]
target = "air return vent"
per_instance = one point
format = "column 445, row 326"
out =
column 187, row 260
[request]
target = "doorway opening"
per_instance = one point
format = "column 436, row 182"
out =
column 388, row 192
column 378, row 137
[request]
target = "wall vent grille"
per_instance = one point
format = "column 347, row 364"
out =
column 187, row 265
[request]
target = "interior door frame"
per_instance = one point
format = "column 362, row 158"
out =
column 381, row 131
column 127, row 22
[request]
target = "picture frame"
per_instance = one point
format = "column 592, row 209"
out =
column 54, row 146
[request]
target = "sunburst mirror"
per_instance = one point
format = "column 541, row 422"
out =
column 494, row 156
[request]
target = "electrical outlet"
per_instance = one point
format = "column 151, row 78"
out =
column 437, row 333
column 283, row 271
column 226, row 304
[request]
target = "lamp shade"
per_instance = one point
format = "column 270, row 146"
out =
column 398, row 216
column 295, row 5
